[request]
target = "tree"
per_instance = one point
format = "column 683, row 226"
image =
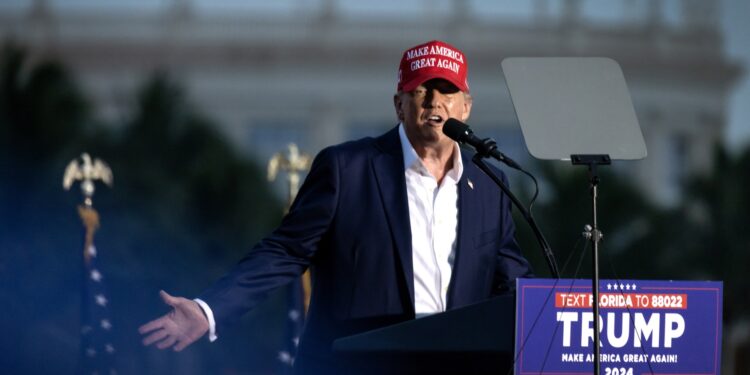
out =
column 717, row 210
column 625, row 218
column 184, row 208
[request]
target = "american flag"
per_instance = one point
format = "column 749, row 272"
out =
column 97, row 354
column 293, row 329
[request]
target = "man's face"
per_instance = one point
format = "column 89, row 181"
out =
column 425, row 109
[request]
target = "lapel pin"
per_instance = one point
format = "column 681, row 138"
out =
column 471, row 184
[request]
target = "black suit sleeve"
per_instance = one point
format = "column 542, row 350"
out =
column 286, row 253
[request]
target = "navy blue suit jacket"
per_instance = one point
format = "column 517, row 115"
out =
column 350, row 223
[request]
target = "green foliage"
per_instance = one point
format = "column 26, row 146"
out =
column 41, row 107
column 185, row 207
column 564, row 209
column 703, row 239
column 169, row 157
column 714, row 221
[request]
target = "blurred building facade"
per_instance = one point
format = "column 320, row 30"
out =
column 318, row 72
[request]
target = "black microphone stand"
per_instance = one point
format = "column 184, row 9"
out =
column 486, row 150
column 593, row 234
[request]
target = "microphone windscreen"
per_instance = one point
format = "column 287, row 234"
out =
column 455, row 130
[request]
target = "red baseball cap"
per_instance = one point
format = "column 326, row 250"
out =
column 434, row 59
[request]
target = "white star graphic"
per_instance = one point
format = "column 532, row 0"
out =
column 92, row 251
column 294, row 315
column 622, row 286
column 627, row 286
column 285, row 357
column 633, row 286
column 614, row 287
column 105, row 324
column 96, row 275
column 609, row 286
column 109, row 348
column 101, row 300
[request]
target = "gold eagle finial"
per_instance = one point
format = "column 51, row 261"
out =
column 87, row 172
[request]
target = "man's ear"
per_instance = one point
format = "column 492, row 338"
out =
column 397, row 105
column 467, row 107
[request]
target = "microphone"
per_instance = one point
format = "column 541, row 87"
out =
column 461, row 133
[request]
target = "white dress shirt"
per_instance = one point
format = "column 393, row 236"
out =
column 433, row 216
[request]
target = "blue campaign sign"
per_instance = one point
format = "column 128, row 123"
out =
column 647, row 327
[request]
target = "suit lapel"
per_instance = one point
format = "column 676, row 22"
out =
column 466, row 205
column 388, row 167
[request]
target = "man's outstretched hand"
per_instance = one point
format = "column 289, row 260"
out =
column 179, row 328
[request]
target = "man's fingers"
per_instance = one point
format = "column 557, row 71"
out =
column 182, row 344
column 156, row 336
column 166, row 343
column 164, row 331
column 150, row 326
column 168, row 299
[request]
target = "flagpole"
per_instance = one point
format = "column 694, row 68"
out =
column 293, row 163
column 97, row 350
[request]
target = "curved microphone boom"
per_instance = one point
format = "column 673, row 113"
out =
column 461, row 133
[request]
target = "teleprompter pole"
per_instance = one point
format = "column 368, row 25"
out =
column 593, row 234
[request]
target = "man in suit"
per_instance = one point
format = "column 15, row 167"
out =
column 393, row 228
